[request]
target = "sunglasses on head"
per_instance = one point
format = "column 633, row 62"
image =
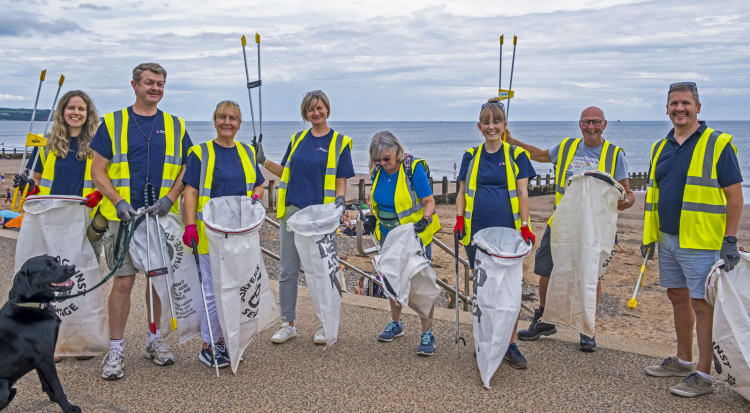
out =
column 316, row 93
column 691, row 85
column 227, row 101
column 500, row 104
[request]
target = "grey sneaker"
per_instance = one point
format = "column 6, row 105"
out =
column 670, row 367
column 693, row 386
column 112, row 364
column 159, row 352
column 284, row 333
column 320, row 335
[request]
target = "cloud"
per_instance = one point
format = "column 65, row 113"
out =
column 5, row 96
column 13, row 26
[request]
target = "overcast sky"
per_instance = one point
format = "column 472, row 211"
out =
column 385, row 59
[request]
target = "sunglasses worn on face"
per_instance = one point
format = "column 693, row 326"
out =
column 595, row 122
column 227, row 101
column 494, row 104
column 383, row 159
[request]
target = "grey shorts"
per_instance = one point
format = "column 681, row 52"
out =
column 109, row 251
column 543, row 257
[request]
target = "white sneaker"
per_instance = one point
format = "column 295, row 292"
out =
column 320, row 336
column 158, row 350
column 284, row 333
column 112, row 364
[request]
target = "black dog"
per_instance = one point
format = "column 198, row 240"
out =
column 29, row 327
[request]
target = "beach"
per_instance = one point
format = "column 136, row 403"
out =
column 651, row 321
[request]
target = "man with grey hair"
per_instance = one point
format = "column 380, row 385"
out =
column 693, row 207
column 591, row 152
column 139, row 159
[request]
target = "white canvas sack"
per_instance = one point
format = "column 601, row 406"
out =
column 315, row 240
column 56, row 225
column 498, row 275
column 406, row 271
column 582, row 239
column 244, row 300
column 729, row 293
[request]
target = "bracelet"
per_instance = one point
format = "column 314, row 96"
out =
column 265, row 163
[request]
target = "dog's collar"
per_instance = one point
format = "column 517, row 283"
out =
column 41, row 306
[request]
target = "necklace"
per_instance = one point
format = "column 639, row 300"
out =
column 148, row 138
column 148, row 141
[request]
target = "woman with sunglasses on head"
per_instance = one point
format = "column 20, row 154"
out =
column 493, row 189
column 64, row 164
column 235, row 172
column 313, row 171
column 401, row 194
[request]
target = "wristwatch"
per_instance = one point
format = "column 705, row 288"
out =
column 730, row 239
column 524, row 223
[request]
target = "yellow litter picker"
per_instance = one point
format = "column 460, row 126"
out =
column 22, row 180
column 639, row 284
column 503, row 94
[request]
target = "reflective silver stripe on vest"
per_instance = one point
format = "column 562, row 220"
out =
column 119, row 158
column 705, row 178
column 117, row 155
column 167, row 183
column 650, row 207
column 330, row 171
column 329, row 193
column 172, row 160
column 45, row 183
column 203, row 191
column 199, row 216
column 559, row 181
column 468, row 214
column 88, row 184
column 698, row 207
column 175, row 159
column 282, row 185
column 121, row 183
column 470, row 193
column 516, row 216
column 513, row 193
column 609, row 159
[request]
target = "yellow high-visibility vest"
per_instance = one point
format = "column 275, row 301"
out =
column 118, row 169
column 336, row 147
column 48, row 173
column 247, row 157
column 511, row 173
column 703, row 216
column 409, row 208
column 568, row 147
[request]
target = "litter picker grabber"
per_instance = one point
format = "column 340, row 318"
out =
column 49, row 120
column 149, row 197
column 251, row 85
column 164, row 258
column 459, row 339
column 23, row 189
column 641, row 279
column 194, row 245
column 503, row 94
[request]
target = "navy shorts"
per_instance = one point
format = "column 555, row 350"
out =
column 543, row 257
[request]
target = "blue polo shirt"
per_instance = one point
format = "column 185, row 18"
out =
column 228, row 175
column 307, row 175
column 671, row 172
column 385, row 192
column 492, row 206
column 140, row 150
column 69, row 171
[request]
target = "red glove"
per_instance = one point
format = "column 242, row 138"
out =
column 255, row 198
column 527, row 235
column 458, row 229
column 33, row 191
column 190, row 235
column 92, row 199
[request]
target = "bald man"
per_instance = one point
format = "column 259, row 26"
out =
column 590, row 153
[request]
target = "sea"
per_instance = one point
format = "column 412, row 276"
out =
column 442, row 144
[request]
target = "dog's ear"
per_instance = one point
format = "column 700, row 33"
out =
column 21, row 285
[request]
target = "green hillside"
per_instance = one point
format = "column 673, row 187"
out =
column 23, row 114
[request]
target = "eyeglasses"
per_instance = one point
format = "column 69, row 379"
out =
column 315, row 93
column 500, row 104
column 383, row 159
column 595, row 122
column 227, row 101
column 691, row 85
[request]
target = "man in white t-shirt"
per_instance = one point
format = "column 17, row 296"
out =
column 586, row 157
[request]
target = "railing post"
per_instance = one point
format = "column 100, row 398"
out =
column 271, row 197
column 546, row 180
column 445, row 185
column 361, row 190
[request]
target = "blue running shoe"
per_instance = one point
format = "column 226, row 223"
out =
column 426, row 344
column 392, row 330
column 514, row 357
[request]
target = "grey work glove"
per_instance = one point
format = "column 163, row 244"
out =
column 125, row 212
column 648, row 249
column 421, row 225
column 161, row 207
column 340, row 202
column 260, row 157
column 730, row 254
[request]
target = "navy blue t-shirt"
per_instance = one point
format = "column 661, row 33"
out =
column 386, row 190
column 308, row 169
column 69, row 172
column 139, row 151
column 671, row 172
column 492, row 201
column 228, row 175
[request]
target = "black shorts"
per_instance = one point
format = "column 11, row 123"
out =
column 543, row 257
